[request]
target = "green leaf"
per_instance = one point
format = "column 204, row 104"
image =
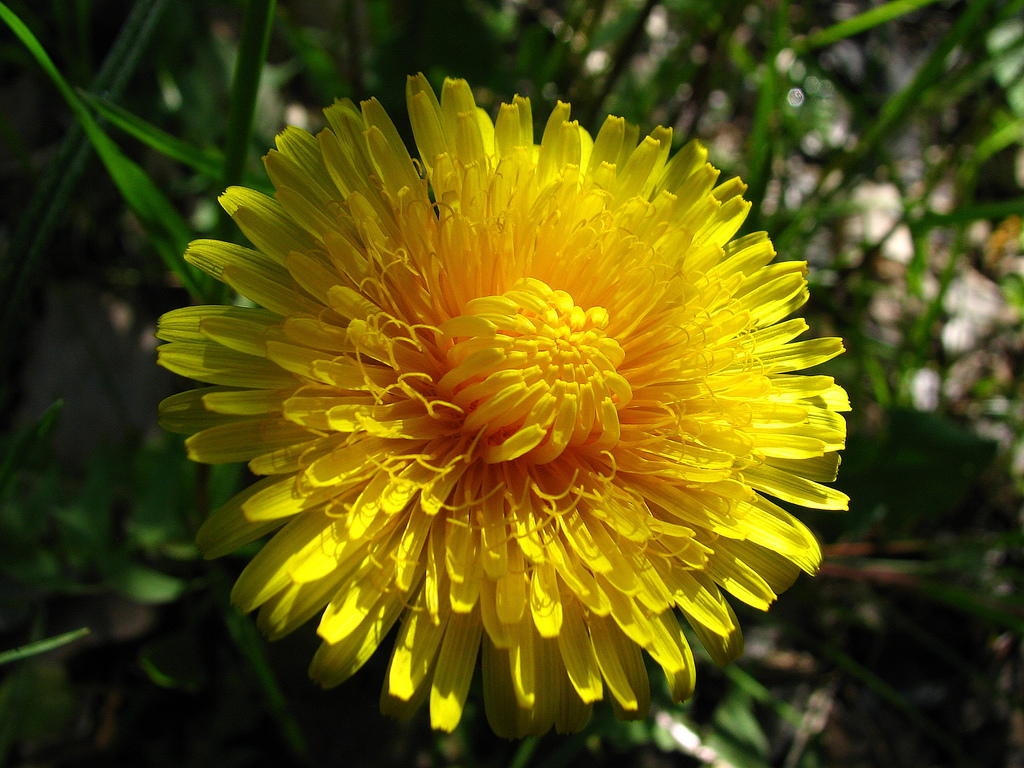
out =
column 1005, row 43
column 918, row 466
column 737, row 735
column 145, row 584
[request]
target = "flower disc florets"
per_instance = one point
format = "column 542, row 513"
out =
column 529, row 399
column 535, row 372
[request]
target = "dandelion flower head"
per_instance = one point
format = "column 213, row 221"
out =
column 526, row 402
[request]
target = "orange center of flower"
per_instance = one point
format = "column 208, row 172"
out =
column 534, row 373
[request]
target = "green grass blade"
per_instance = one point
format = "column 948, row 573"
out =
column 42, row 646
column 252, row 53
column 998, row 209
column 620, row 61
column 884, row 691
column 896, row 108
column 209, row 162
column 21, row 263
column 892, row 113
column 252, row 647
column 1009, row 132
column 860, row 23
column 991, row 609
column 165, row 227
column 751, row 687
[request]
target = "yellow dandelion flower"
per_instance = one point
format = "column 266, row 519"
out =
column 530, row 400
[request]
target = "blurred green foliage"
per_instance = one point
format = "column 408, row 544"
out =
column 881, row 141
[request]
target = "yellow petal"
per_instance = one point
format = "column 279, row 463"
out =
column 227, row 528
column 265, row 223
column 186, row 412
column 334, row 663
column 622, row 667
column 214, row 364
column 545, row 601
column 415, row 650
column 789, row 487
column 455, row 663
column 578, row 652
column 243, row 440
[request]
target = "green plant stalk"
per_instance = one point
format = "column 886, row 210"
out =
column 921, row 332
column 760, row 146
column 208, row 161
column 620, row 60
column 527, row 746
column 999, row 139
column 895, row 109
column 245, row 84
